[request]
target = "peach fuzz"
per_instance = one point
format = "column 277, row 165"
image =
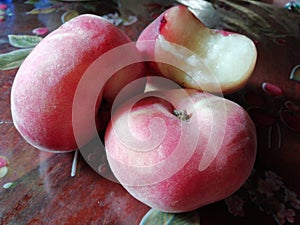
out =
column 200, row 58
column 45, row 84
column 177, row 161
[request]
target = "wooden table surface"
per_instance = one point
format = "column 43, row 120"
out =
column 43, row 191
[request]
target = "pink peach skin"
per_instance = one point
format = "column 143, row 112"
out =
column 177, row 164
column 45, row 84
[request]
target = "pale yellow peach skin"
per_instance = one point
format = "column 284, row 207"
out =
column 45, row 84
column 178, row 150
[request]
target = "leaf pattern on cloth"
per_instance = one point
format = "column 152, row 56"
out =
column 268, row 192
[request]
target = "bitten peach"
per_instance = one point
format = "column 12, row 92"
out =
column 178, row 150
column 45, row 85
column 184, row 50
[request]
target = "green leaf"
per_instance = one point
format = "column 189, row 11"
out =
column 24, row 41
column 9, row 185
column 31, row 2
column 13, row 59
column 295, row 74
column 154, row 217
column 41, row 11
column 68, row 15
column 90, row 7
column 3, row 171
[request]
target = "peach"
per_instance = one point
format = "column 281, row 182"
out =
column 195, row 56
column 45, row 85
column 177, row 150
